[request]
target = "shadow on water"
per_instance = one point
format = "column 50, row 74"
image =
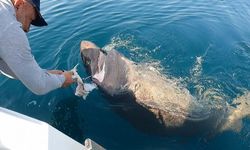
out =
column 65, row 117
column 142, row 119
column 145, row 121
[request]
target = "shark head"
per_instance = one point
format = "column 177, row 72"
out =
column 90, row 54
column 93, row 58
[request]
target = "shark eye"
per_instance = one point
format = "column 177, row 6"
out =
column 87, row 61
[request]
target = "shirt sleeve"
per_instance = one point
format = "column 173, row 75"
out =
column 16, row 53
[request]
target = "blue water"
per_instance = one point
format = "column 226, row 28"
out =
column 203, row 44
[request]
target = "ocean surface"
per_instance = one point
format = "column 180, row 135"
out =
column 204, row 45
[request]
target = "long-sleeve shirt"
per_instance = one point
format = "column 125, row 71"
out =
column 16, row 59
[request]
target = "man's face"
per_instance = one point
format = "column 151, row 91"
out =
column 25, row 14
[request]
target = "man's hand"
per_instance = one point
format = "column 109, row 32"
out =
column 68, row 78
column 67, row 74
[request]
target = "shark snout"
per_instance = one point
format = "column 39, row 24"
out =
column 87, row 45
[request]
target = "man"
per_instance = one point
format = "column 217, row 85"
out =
column 16, row 60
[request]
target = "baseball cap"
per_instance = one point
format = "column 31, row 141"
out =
column 39, row 21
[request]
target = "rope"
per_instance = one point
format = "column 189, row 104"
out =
column 86, row 77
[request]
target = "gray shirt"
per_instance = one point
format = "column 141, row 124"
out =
column 16, row 60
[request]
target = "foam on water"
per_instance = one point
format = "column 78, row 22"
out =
column 122, row 41
column 32, row 103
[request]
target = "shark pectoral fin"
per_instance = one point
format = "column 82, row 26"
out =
column 233, row 125
column 240, row 111
column 237, row 126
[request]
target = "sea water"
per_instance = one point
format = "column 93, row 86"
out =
column 202, row 45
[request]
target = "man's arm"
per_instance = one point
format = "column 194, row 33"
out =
column 18, row 57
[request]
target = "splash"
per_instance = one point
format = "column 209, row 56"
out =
column 196, row 71
column 128, row 43
column 122, row 41
column 207, row 95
